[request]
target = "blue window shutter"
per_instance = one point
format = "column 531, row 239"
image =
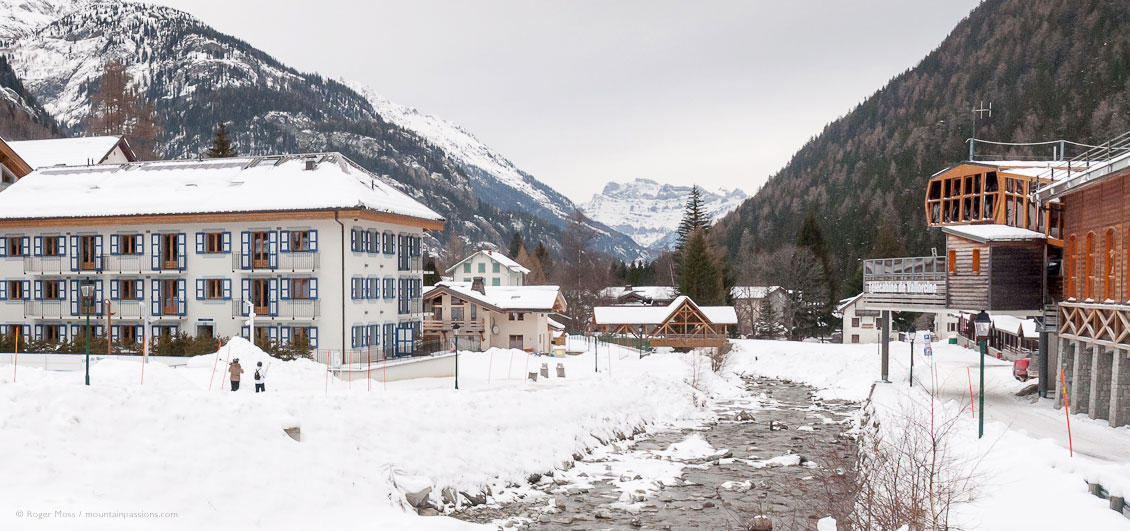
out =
column 139, row 333
column 26, row 244
column 313, row 288
column 75, row 308
column 284, row 290
column 199, row 243
column 245, row 250
column 312, row 333
column 97, row 295
column 38, row 290
column 273, row 296
column 3, row 252
column 226, row 239
column 114, row 333
column 39, row 246
column 156, row 253
column 39, row 331
column 273, row 250
column 353, row 288
column 284, row 243
column 74, row 253
column 200, row 289
column 353, row 240
column 284, row 334
column 3, row 290
column 227, row 289
column 245, row 294
column 353, row 336
column 245, row 332
column 155, row 304
column 27, row 289
column 366, row 241
column 115, row 293
column 115, row 244
column 98, row 252
column 181, row 251
column 313, row 241
column 139, row 290
column 181, row 302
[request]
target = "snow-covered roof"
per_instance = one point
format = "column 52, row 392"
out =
column 752, row 292
column 506, row 298
column 993, row 233
column 653, row 315
column 1012, row 324
column 501, row 258
column 646, row 292
column 77, row 151
column 243, row 184
column 844, row 303
column 554, row 324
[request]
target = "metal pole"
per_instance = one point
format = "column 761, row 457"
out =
column 456, row 362
column 911, row 361
column 981, row 393
column 1042, row 382
column 886, row 343
column 87, row 307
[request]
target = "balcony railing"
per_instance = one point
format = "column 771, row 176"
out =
column 131, row 263
column 46, row 264
column 299, row 309
column 465, row 326
column 48, row 310
column 296, row 261
column 914, row 282
column 131, row 310
column 126, row 263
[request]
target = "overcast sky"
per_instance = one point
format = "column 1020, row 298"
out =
column 579, row 93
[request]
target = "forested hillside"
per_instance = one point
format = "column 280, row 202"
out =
column 21, row 115
column 1051, row 69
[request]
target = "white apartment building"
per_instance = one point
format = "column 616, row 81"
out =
column 314, row 245
column 495, row 268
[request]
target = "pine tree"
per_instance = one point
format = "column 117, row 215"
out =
column 221, row 147
column 701, row 272
column 516, row 245
column 767, row 325
column 695, row 218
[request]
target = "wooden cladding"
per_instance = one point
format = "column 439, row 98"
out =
column 224, row 217
column 1097, row 247
column 972, row 193
column 997, row 276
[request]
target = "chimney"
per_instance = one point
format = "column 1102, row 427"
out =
column 478, row 285
column 311, row 162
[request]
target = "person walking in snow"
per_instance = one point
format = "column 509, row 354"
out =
column 235, row 371
column 260, row 378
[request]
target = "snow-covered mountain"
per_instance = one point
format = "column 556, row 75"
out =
column 650, row 212
column 198, row 77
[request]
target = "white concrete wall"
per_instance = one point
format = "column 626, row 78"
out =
column 870, row 329
column 534, row 327
column 333, row 319
column 116, row 156
column 483, row 265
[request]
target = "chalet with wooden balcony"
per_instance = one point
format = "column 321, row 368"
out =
column 493, row 316
column 680, row 324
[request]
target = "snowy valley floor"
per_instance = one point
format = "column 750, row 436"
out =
column 221, row 460
column 1025, row 477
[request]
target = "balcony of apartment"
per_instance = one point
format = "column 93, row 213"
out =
column 48, row 265
column 49, row 309
column 905, row 284
column 297, row 262
column 129, row 310
column 466, row 326
column 297, row 309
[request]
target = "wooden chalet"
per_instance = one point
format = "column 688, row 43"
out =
column 680, row 324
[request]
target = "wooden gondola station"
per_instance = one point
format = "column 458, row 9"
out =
column 1047, row 241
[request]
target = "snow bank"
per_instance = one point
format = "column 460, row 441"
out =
column 218, row 458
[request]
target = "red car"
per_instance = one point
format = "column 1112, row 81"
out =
column 1020, row 369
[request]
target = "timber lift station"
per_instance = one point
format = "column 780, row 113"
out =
column 1044, row 240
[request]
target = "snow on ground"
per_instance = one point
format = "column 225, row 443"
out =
column 1027, row 478
column 221, row 460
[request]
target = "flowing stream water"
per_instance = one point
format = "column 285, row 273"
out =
column 765, row 456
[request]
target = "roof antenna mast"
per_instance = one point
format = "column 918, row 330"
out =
column 978, row 112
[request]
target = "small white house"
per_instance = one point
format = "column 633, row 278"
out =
column 494, row 316
column 860, row 325
column 75, row 151
column 495, row 268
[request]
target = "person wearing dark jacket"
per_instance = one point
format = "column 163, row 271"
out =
column 235, row 371
column 260, row 378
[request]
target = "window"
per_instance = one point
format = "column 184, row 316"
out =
column 299, row 241
column 517, row 316
column 53, row 291
column 1089, row 268
column 86, row 253
column 482, row 267
column 300, row 288
column 260, row 249
column 855, row 322
column 213, row 288
column 952, row 261
column 1108, row 265
column 128, row 334
column 15, row 246
column 494, row 281
column 213, row 242
column 437, row 312
column 457, row 313
column 169, row 252
column 855, row 338
column 466, row 268
column 129, row 289
column 494, row 267
column 52, row 246
column 51, row 333
column 1069, row 270
column 260, row 296
column 977, row 261
column 951, row 327
column 516, row 341
column 878, row 321
column 16, row 290
column 130, row 243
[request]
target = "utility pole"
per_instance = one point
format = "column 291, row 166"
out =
column 978, row 112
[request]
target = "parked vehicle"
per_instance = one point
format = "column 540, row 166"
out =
column 1020, row 369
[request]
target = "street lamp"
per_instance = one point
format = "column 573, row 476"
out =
column 455, row 327
column 87, row 289
column 981, row 324
column 912, row 332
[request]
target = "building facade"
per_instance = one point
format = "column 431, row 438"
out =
column 861, row 325
column 494, row 316
column 751, row 302
column 336, row 266
column 495, row 268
